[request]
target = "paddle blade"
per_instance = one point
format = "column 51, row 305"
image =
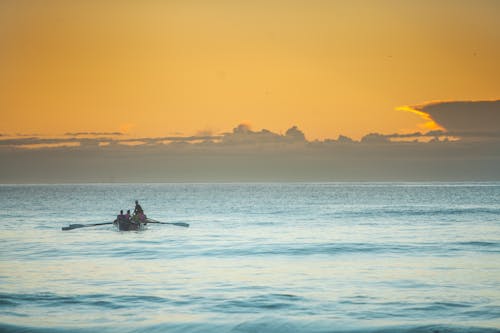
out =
column 76, row 226
column 181, row 224
column 73, row 226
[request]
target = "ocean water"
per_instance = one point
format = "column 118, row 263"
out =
column 284, row 257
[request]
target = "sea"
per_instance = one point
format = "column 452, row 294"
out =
column 256, row 257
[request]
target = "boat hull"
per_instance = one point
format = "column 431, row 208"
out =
column 129, row 226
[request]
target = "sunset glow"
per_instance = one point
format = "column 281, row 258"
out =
column 429, row 125
column 150, row 68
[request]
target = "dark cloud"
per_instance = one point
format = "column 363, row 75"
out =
column 182, row 161
column 341, row 139
column 344, row 139
column 294, row 134
column 86, row 142
column 433, row 136
column 243, row 135
column 483, row 117
column 155, row 140
column 435, row 133
column 405, row 135
column 247, row 155
column 480, row 117
column 35, row 141
column 375, row 138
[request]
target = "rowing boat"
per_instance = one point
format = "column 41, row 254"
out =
column 126, row 225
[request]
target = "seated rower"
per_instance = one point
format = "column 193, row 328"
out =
column 120, row 217
column 136, row 218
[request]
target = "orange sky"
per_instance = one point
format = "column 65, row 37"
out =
column 154, row 68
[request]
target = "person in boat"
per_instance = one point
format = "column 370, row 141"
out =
column 139, row 215
column 120, row 217
column 138, row 209
column 127, row 216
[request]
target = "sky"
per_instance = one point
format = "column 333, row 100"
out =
column 156, row 68
column 219, row 90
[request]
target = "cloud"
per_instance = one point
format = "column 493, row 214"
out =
column 35, row 141
column 85, row 142
column 243, row 135
column 93, row 133
column 464, row 118
column 244, row 154
column 322, row 161
column 247, row 155
column 344, row 139
column 294, row 134
column 430, row 136
column 162, row 139
column 375, row 138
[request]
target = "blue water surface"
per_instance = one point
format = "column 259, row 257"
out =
column 270, row 257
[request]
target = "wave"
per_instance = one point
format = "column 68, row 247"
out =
column 287, row 313
column 104, row 301
column 439, row 249
column 479, row 244
column 341, row 248
column 405, row 211
column 264, row 325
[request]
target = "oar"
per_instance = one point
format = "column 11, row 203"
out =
column 76, row 226
column 180, row 224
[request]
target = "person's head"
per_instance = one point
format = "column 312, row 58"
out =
column 128, row 211
column 137, row 202
column 121, row 211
